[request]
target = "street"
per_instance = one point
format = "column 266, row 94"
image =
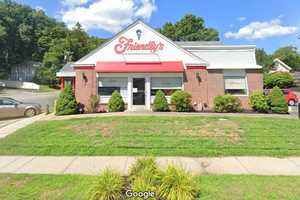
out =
column 42, row 98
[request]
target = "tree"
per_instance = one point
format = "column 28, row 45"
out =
column 189, row 28
column 277, row 101
column 288, row 55
column 160, row 102
column 29, row 34
column 66, row 103
column 116, row 103
column 263, row 59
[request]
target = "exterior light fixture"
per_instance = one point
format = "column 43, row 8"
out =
column 198, row 76
column 83, row 77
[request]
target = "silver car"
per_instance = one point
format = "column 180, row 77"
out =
column 12, row 108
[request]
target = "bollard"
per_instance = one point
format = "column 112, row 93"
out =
column 47, row 109
column 299, row 110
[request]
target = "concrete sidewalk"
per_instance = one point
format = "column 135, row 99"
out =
column 197, row 166
column 17, row 124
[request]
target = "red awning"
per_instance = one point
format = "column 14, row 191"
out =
column 139, row 67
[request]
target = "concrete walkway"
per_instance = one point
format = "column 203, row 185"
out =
column 13, row 125
column 197, row 166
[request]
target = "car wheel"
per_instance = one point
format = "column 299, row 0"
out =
column 30, row 112
column 292, row 103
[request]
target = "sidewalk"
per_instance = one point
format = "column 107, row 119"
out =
column 93, row 165
column 17, row 124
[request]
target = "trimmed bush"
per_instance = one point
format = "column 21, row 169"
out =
column 279, row 79
column 116, row 103
column 146, row 181
column 277, row 101
column 160, row 102
column 93, row 103
column 66, row 103
column 145, row 176
column 176, row 184
column 142, row 164
column 109, row 185
column 182, row 101
column 259, row 102
column 227, row 103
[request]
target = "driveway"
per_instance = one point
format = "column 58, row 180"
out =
column 42, row 98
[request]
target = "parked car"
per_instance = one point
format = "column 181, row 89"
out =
column 12, row 108
column 2, row 85
column 290, row 97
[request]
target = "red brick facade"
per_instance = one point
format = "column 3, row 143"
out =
column 85, row 84
column 205, row 85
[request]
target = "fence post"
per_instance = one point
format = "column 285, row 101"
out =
column 298, row 110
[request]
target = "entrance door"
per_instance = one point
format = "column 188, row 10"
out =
column 138, row 91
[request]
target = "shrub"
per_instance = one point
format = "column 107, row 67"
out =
column 259, row 102
column 227, row 103
column 109, row 185
column 160, row 102
column 182, row 101
column 116, row 103
column 277, row 101
column 66, row 103
column 93, row 103
column 176, row 183
column 142, row 164
column 146, row 181
column 279, row 79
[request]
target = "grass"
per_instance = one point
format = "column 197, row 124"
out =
column 46, row 88
column 67, row 187
column 158, row 136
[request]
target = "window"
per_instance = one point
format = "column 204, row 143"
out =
column 107, row 85
column 107, row 91
column 235, row 82
column 166, row 84
column 6, row 102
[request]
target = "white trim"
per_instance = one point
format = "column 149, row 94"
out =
column 282, row 63
column 200, row 60
column 65, row 74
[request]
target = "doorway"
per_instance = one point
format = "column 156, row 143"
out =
column 138, row 91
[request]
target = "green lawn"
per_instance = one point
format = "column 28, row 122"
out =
column 157, row 135
column 42, row 187
column 46, row 88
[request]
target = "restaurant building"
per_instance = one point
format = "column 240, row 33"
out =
column 139, row 61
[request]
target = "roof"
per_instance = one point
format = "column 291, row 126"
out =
column 225, row 56
column 282, row 63
column 66, row 71
column 83, row 61
column 155, row 67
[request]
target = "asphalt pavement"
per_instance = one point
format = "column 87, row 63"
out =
column 43, row 98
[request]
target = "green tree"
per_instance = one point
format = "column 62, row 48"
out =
column 66, row 103
column 160, row 102
column 288, row 55
column 263, row 59
column 189, row 28
column 277, row 101
column 116, row 103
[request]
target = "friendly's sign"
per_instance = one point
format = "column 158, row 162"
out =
column 128, row 44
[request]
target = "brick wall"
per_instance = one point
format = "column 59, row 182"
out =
column 195, row 82
column 255, row 83
column 85, row 84
column 212, row 84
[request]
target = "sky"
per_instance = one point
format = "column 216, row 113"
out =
column 268, row 24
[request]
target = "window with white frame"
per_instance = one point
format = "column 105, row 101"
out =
column 235, row 82
column 168, row 85
column 107, row 85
